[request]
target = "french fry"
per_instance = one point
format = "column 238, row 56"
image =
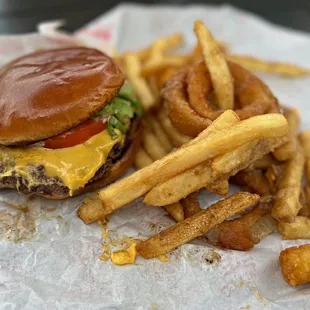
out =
column 244, row 232
column 304, row 139
column 191, row 205
column 152, row 145
column 142, row 159
column 202, row 173
column 299, row 229
column 176, row 137
column 159, row 132
column 304, row 201
column 195, row 226
column 197, row 52
column 166, row 44
column 287, row 203
column 274, row 175
column 295, row 264
column 132, row 66
column 265, row 162
column 255, row 180
column 215, row 61
column 158, row 60
column 158, row 65
column 226, row 162
column 200, row 150
column 154, row 89
column 287, row 150
column 196, row 178
column 259, row 65
column 220, row 187
column 231, row 162
column 176, row 211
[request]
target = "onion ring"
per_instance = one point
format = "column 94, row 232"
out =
column 182, row 116
column 186, row 95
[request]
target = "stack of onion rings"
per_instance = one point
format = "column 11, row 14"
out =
column 188, row 97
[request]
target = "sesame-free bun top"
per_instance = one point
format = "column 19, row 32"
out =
column 45, row 93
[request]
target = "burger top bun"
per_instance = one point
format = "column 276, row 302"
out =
column 48, row 92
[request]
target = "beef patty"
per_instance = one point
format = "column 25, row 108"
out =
column 49, row 186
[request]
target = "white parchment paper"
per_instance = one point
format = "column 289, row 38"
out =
column 53, row 263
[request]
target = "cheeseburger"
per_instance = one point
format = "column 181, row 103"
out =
column 68, row 123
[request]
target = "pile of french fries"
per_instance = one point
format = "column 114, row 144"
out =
column 263, row 154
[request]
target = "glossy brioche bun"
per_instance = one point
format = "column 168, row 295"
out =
column 48, row 92
column 118, row 169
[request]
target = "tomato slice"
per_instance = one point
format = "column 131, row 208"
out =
column 76, row 135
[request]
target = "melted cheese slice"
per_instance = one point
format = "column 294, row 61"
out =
column 75, row 166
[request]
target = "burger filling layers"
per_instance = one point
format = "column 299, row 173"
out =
column 70, row 160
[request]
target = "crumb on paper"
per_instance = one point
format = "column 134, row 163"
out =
column 155, row 227
column 154, row 307
column 241, row 284
column 17, row 222
column 199, row 255
column 259, row 297
column 212, row 257
column 247, row 307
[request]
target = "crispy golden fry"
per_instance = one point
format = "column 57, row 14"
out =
column 220, row 187
column 176, row 211
column 195, row 226
column 295, row 264
column 215, row 61
column 265, row 162
column 274, row 176
column 287, row 203
column 196, row 178
column 142, row 159
column 159, row 132
column 259, row 65
column 158, row 60
column 255, row 181
column 141, row 54
column 232, row 161
column 304, row 138
column 180, row 186
column 154, row 89
column 200, row 150
column 191, row 205
column 287, row 150
column 237, row 234
column 152, row 145
column 305, row 201
column 90, row 209
column 197, row 52
column 155, row 66
column 165, row 44
column 226, row 162
column 202, row 173
column 299, row 229
column 132, row 66
column 176, row 137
